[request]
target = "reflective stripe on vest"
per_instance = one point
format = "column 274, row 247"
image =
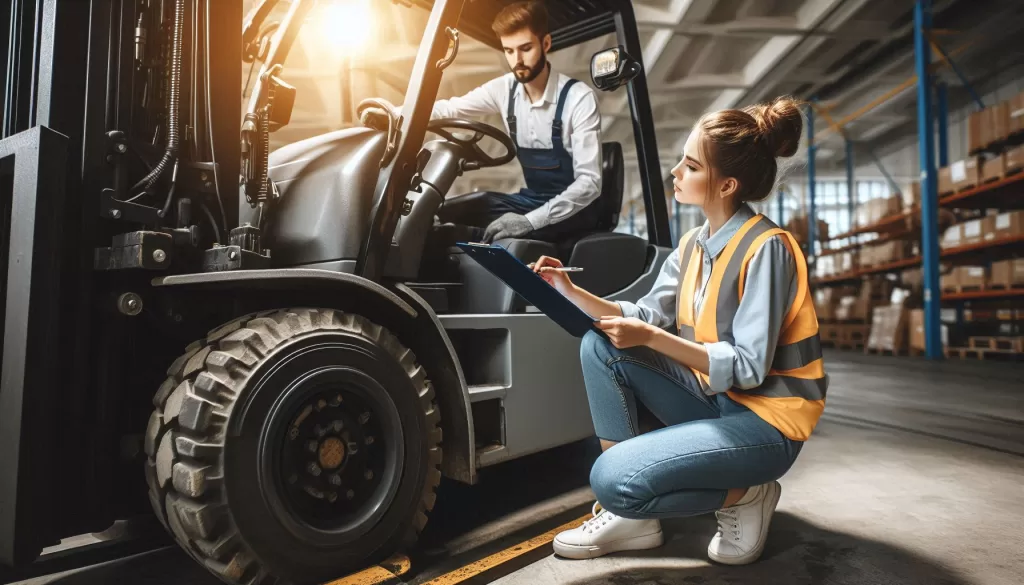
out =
column 791, row 397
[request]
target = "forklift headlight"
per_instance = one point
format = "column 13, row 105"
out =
column 611, row 68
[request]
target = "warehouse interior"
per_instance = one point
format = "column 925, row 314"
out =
column 906, row 196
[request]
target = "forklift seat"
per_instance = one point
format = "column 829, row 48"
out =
column 611, row 261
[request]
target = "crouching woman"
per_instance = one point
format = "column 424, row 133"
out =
column 739, row 386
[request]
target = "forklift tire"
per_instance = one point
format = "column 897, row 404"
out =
column 294, row 446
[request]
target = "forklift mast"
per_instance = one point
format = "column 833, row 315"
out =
column 105, row 110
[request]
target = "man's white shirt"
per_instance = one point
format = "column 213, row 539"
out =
column 581, row 134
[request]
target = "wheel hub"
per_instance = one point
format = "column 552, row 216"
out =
column 333, row 456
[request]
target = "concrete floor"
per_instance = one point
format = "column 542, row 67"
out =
column 914, row 476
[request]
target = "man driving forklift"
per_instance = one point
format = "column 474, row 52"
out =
column 556, row 126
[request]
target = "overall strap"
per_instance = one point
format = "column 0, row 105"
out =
column 510, row 117
column 556, row 123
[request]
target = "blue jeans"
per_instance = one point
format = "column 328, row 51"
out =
column 710, row 443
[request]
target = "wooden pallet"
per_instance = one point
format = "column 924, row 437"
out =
column 851, row 346
column 1015, row 344
column 966, row 353
column 1001, row 286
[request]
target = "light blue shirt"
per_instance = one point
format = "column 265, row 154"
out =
column 769, row 290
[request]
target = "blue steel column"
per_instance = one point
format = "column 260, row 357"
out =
column 942, row 104
column 929, row 188
column 851, row 191
column 812, row 212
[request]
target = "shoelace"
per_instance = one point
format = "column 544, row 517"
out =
column 728, row 523
column 601, row 517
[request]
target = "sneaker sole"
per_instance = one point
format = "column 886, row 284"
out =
column 775, row 492
column 571, row 551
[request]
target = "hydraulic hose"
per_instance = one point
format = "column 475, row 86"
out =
column 173, row 102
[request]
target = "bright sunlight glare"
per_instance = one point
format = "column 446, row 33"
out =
column 345, row 26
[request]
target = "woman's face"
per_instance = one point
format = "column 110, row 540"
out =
column 692, row 179
column 690, row 176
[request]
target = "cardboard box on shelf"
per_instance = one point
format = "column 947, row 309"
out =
column 1007, row 273
column 999, row 122
column 913, row 278
column 972, row 276
column 912, row 196
column 975, row 131
column 964, row 174
column 952, row 237
column 971, row 231
column 1016, row 114
column 993, row 169
column 949, row 281
column 988, row 227
column 1013, row 159
column 1009, row 224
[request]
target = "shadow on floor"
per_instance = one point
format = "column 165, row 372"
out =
column 797, row 553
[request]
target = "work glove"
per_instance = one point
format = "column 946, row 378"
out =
column 375, row 117
column 510, row 225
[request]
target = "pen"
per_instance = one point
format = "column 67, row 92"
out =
column 561, row 268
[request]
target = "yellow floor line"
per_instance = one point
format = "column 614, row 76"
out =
column 378, row 574
column 473, row 569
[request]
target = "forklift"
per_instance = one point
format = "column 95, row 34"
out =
column 243, row 343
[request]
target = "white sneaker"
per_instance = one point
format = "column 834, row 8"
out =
column 743, row 528
column 607, row 533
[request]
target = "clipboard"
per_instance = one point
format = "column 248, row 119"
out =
column 527, row 283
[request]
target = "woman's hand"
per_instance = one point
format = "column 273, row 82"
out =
column 627, row 332
column 556, row 278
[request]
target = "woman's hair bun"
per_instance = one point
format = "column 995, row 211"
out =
column 780, row 124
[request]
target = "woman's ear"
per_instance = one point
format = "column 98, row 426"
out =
column 728, row 187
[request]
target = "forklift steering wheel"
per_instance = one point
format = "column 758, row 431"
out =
column 477, row 158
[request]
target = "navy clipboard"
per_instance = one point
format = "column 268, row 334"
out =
column 527, row 283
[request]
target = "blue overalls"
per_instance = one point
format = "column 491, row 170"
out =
column 548, row 172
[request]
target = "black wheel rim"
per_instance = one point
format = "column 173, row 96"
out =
column 344, row 484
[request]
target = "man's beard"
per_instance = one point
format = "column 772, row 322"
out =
column 527, row 74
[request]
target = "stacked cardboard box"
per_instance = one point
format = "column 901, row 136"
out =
column 965, row 278
column 993, row 169
column 959, row 176
column 912, row 196
column 993, row 125
column 875, row 210
column 888, row 328
column 971, row 232
column 1013, row 160
column 1016, row 114
column 1007, row 273
column 952, row 237
column 913, row 278
column 826, row 301
column 916, row 330
column 798, row 227
column 1009, row 224
column 975, row 133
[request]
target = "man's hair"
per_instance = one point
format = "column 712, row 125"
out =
column 531, row 15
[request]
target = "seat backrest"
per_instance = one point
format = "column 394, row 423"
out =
column 613, row 179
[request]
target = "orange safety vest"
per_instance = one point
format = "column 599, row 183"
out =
column 792, row 396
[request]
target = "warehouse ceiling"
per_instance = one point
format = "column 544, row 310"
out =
column 699, row 55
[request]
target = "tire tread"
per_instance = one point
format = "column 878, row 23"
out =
column 184, row 439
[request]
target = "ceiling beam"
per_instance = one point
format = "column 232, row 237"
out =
column 762, row 27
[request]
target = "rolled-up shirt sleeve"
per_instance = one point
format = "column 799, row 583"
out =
column 658, row 307
column 769, row 290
